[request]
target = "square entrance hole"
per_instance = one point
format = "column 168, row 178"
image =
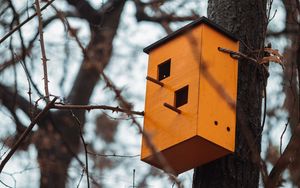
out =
column 181, row 96
column 164, row 69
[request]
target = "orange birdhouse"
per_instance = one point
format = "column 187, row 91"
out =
column 190, row 114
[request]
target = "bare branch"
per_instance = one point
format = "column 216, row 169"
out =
column 27, row 50
column 24, row 22
column 152, row 2
column 281, row 137
column 113, row 155
column 141, row 16
column 83, row 7
column 42, row 45
column 163, row 18
column 5, row 184
column 85, row 148
column 94, row 107
column 80, row 179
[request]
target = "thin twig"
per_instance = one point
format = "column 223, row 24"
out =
column 29, row 88
column 25, row 133
column 112, row 155
column 118, row 118
column 80, row 179
column 281, row 137
column 27, row 168
column 133, row 178
column 24, row 22
column 12, row 175
column 94, row 107
column 5, row 184
column 265, row 102
column 42, row 44
column 85, row 149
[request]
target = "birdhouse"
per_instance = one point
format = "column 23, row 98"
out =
column 191, row 91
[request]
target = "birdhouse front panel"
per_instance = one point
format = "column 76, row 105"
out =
column 174, row 65
column 218, row 89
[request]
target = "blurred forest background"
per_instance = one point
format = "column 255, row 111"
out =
column 93, row 50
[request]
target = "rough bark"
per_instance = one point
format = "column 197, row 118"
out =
column 58, row 139
column 246, row 19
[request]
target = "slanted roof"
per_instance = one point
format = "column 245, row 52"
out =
column 186, row 28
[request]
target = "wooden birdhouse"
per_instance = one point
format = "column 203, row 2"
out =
column 191, row 92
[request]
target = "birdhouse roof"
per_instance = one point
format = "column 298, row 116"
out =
column 187, row 28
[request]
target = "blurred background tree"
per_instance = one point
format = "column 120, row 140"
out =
column 85, row 39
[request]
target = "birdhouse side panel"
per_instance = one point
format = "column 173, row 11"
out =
column 218, row 89
column 165, row 126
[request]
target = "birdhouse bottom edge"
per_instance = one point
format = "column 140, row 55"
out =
column 188, row 154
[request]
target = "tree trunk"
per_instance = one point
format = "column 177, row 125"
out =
column 245, row 19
